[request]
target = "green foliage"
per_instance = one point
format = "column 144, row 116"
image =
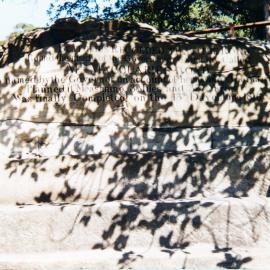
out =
column 173, row 15
column 79, row 9
column 19, row 29
column 205, row 14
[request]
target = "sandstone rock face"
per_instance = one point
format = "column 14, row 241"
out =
column 112, row 71
column 122, row 147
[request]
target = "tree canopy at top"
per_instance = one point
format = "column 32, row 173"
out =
column 174, row 15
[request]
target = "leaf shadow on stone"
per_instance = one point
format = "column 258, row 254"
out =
column 232, row 161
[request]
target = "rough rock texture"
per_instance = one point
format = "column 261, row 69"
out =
column 122, row 147
column 61, row 31
column 133, row 76
column 122, row 176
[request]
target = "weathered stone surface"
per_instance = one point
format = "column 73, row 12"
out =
column 225, row 172
column 232, row 172
column 194, row 258
column 130, row 144
column 61, row 31
column 19, row 139
column 143, row 77
column 241, row 136
column 137, row 226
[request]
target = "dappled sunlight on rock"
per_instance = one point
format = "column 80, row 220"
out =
column 119, row 139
